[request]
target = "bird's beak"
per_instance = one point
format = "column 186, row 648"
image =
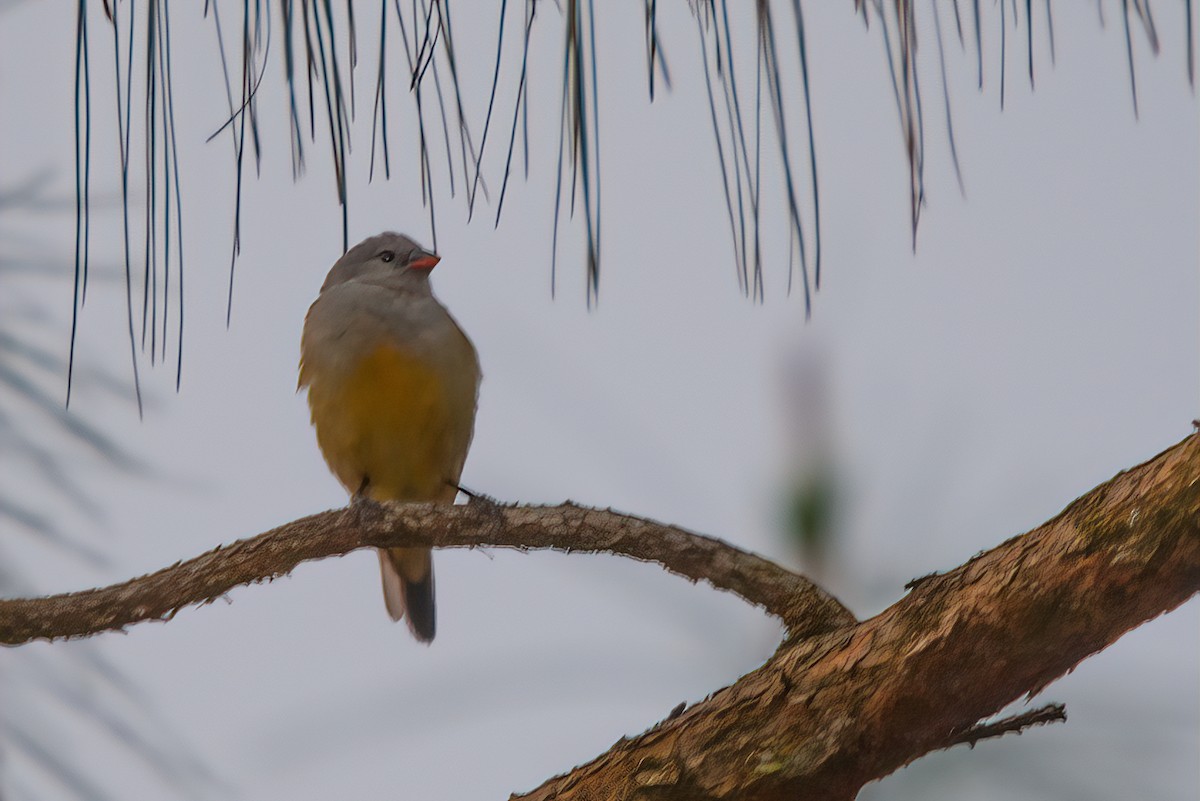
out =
column 426, row 261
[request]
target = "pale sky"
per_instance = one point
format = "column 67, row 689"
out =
column 1042, row 338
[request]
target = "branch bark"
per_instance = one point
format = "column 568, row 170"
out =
column 840, row 703
column 827, row 714
column 802, row 606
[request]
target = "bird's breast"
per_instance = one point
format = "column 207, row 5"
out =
column 392, row 418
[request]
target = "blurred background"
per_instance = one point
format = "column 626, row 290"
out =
column 1042, row 337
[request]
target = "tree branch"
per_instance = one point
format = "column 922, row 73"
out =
column 1051, row 713
column 840, row 703
column 799, row 603
column 827, row 714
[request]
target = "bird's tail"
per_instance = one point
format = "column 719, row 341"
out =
column 408, row 588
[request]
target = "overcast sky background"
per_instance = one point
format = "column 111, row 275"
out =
column 1043, row 337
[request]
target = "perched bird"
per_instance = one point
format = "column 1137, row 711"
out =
column 392, row 385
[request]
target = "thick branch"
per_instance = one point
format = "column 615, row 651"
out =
column 804, row 607
column 830, row 713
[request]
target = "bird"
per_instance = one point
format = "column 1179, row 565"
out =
column 393, row 385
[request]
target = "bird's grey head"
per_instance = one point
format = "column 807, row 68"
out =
column 389, row 259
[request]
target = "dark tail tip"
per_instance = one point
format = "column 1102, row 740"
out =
column 420, row 609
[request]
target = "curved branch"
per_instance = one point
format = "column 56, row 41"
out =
column 800, row 604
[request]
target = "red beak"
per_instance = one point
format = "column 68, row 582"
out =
column 425, row 262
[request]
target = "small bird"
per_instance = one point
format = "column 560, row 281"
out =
column 392, row 385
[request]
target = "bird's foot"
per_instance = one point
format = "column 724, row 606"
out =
column 364, row 510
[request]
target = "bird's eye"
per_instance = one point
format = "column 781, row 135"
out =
column 387, row 256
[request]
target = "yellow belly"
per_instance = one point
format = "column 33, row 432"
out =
column 387, row 426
